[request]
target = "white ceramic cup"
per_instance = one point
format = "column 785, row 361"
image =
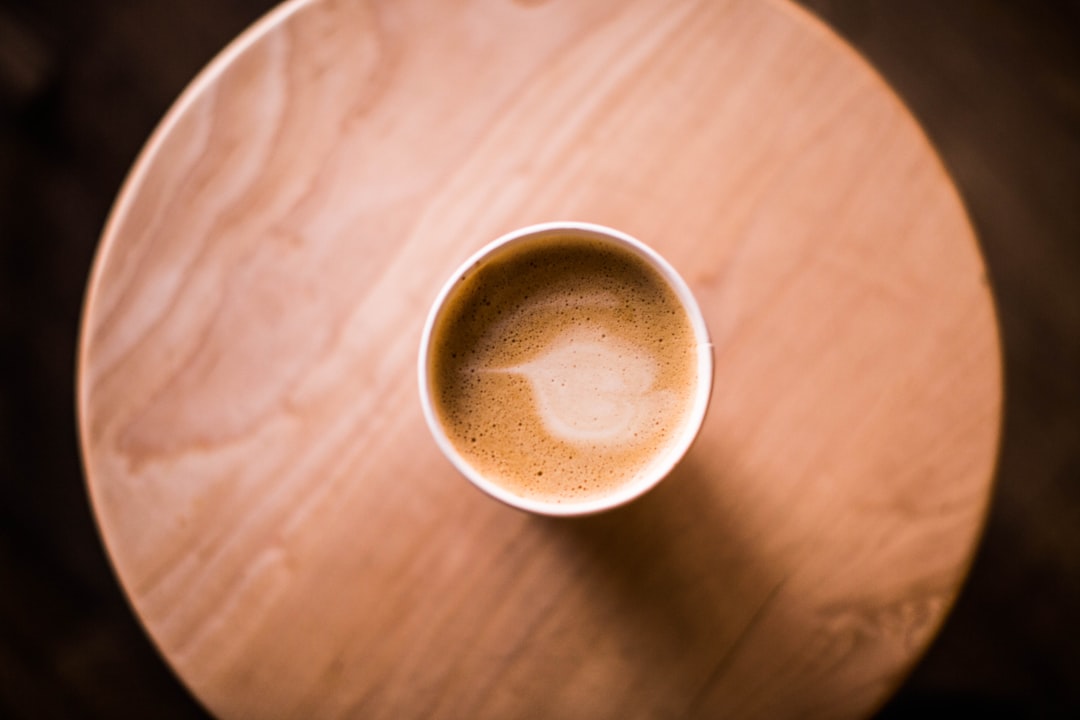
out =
column 666, row 459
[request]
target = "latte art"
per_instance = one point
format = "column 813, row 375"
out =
column 563, row 369
column 590, row 388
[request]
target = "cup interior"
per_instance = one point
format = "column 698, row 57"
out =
column 665, row 461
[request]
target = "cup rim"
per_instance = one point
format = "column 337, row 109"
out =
column 664, row 464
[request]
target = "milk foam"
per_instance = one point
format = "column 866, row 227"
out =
column 591, row 388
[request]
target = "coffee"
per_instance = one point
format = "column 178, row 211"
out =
column 563, row 368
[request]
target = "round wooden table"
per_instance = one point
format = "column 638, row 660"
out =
column 274, row 505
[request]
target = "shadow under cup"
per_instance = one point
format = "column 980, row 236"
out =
column 544, row 374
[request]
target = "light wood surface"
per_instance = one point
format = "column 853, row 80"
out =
column 271, row 499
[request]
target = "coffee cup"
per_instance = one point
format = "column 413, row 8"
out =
column 565, row 368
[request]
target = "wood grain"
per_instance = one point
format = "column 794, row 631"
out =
column 265, row 484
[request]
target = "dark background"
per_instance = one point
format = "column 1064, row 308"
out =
column 995, row 83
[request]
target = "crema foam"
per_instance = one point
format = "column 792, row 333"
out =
column 563, row 369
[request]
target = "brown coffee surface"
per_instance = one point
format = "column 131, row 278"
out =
column 562, row 368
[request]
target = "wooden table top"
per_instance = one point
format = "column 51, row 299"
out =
column 272, row 501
